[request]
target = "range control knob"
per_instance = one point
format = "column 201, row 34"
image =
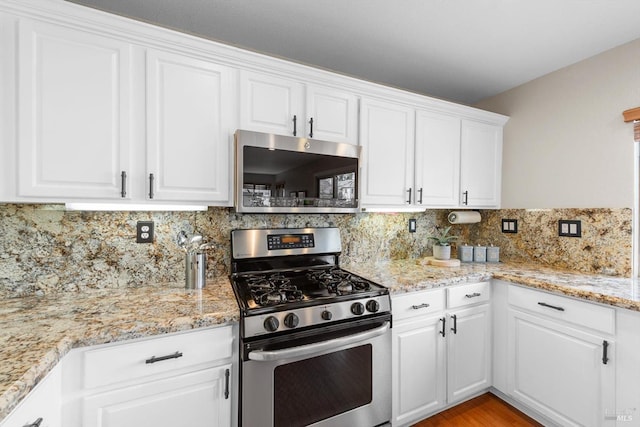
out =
column 357, row 308
column 271, row 324
column 326, row 315
column 373, row 306
column 291, row 320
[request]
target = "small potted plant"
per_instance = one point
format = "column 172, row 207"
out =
column 442, row 243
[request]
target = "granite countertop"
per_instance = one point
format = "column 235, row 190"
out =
column 37, row 331
column 412, row 275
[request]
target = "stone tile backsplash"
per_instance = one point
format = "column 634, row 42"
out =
column 44, row 248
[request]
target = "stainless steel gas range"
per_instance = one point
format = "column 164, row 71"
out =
column 315, row 340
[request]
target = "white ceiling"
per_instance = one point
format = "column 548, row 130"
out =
column 461, row 50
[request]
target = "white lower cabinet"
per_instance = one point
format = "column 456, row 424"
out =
column 183, row 379
column 418, row 368
column 468, row 352
column 441, row 349
column 195, row 399
column 561, row 357
column 43, row 403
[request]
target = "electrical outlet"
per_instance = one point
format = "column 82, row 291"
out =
column 412, row 225
column 509, row 225
column 569, row 228
column 144, row 232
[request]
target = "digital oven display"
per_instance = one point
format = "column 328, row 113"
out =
column 290, row 241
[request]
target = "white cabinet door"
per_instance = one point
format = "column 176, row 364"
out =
column 627, row 372
column 43, row 402
column 437, row 154
column 468, row 352
column 560, row 372
column 74, row 113
column 387, row 139
column 332, row 115
column 418, row 369
column 480, row 164
column 200, row 398
column 189, row 128
column 271, row 104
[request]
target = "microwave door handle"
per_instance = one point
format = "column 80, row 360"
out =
column 311, row 349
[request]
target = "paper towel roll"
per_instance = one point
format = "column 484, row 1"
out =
column 464, row 217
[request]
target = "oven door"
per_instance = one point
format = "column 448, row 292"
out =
column 339, row 378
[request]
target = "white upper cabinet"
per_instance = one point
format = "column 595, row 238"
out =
column 437, row 154
column 271, row 104
column 480, row 165
column 332, row 114
column 74, row 113
column 82, row 103
column 287, row 107
column 387, row 135
column 189, row 128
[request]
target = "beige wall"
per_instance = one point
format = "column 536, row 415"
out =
column 566, row 145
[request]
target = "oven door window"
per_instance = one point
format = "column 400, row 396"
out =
column 318, row 388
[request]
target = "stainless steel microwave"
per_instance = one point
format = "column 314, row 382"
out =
column 283, row 174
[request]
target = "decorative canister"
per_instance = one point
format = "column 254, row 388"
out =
column 465, row 253
column 493, row 254
column 480, row 253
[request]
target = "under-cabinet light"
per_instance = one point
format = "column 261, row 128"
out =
column 393, row 210
column 131, row 207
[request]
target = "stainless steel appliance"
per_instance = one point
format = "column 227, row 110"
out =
column 286, row 174
column 315, row 340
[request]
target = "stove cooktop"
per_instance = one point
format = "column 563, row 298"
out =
column 274, row 291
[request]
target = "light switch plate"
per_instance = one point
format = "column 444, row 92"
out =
column 569, row 228
column 510, row 226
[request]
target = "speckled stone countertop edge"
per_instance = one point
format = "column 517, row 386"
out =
column 207, row 312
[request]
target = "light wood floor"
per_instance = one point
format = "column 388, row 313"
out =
column 483, row 411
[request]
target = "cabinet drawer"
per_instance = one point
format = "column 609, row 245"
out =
column 118, row 362
column 473, row 293
column 419, row 303
column 581, row 313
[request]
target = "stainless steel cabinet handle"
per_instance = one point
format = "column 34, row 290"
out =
column 473, row 295
column 295, row 125
column 544, row 304
column 420, row 199
column 151, row 179
column 465, row 198
column 455, row 324
column 605, row 347
column 409, row 191
column 309, row 349
column 154, row 359
column 36, row 423
column 444, row 322
column 417, row 307
column 123, row 189
column 311, row 127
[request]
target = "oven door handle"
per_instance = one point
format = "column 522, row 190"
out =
column 310, row 349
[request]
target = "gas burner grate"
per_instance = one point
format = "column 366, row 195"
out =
column 339, row 282
column 273, row 289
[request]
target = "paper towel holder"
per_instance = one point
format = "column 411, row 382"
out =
column 464, row 217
